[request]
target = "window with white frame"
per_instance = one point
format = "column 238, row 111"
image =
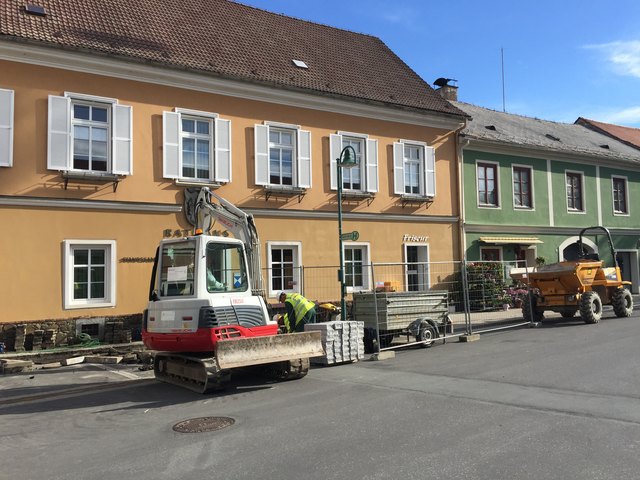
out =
column 6, row 128
column 363, row 177
column 89, row 134
column 356, row 266
column 282, row 155
column 90, row 273
column 620, row 202
column 414, row 169
column 196, row 146
column 575, row 198
column 487, row 177
column 284, row 266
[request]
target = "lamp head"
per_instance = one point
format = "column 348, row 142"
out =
column 348, row 157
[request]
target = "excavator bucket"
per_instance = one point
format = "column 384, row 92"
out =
column 247, row 351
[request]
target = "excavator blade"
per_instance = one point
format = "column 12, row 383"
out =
column 247, row 351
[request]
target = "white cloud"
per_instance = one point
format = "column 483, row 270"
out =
column 398, row 15
column 624, row 56
column 628, row 116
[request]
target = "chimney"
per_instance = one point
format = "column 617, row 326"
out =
column 447, row 91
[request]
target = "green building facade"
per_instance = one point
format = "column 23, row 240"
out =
column 529, row 187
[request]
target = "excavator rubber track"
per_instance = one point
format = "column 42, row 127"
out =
column 281, row 357
column 198, row 374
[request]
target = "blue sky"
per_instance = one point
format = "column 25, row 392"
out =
column 562, row 59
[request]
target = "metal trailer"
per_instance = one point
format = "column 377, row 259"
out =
column 423, row 315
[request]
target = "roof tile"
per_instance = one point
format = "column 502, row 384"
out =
column 230, row 40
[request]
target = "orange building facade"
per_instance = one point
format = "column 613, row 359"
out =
column 96, row 153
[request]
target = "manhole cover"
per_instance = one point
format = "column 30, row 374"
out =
column 203, row 424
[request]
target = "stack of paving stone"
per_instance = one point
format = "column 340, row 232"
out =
column 49, row 338
column 114, row 332
column 21, row 333
column 342, row 341
column 37, row 340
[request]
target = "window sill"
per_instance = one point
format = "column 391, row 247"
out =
column 284, row 192
column 415, row 199
column 195, row 183
column 76, row 306
column 356, row 194
column 90, row 177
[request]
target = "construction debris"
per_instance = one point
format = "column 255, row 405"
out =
column 111, row 360
column 15, row 366
column 72, row 361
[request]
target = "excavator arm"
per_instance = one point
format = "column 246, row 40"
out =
column 209, row 207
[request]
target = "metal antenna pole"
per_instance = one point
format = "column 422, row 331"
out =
column 504, row 108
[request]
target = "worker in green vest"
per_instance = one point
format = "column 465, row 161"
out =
column 299, row 311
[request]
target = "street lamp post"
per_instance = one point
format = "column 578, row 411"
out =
column 347, row 159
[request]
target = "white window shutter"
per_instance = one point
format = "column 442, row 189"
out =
column 262, row 154
column 171, row 145
column 372, row 165
column 398, row 168
column 6, row 128
column 222, row 158
column 430, row 171
column 59, row 133
column 122, row 139
column 304, row 159
column 335, row 147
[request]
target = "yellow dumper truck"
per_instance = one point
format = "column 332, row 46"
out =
column 583, row 285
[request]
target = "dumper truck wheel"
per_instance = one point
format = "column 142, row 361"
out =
column 426, row 334
column 530, row 311
column 622, row 302
column 591, row 307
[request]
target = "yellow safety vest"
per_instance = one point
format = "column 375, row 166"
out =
column 300, row 307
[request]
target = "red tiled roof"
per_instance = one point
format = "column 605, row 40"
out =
column 229, row 40
column 628, row 135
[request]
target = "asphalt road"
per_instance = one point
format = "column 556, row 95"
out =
column 557, row 402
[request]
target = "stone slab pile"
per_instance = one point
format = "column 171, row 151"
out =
column 21, row 334
column 49, row 338
column 342, row 342
column 114, row 332
column 37, row 340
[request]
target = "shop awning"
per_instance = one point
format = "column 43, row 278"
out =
column 511, row 240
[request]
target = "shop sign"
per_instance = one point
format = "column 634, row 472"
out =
column 414, row 238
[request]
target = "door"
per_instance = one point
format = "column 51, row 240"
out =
column 417, row 267
column 624, row 262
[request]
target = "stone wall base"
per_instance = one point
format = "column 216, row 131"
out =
column 46, row 334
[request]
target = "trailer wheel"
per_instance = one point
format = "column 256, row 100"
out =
column 591, row 307
column 426, row 335
column 530, row 312
column 386, row 337
column 622, row 302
